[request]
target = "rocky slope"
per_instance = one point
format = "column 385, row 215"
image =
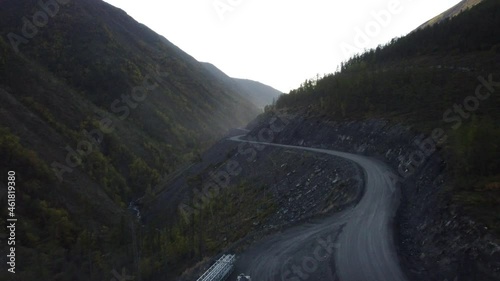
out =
column 437, row 240
column 290, row 188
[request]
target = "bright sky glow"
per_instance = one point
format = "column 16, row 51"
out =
column 280, row 42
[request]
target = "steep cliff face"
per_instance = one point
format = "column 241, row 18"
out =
column 436, row 239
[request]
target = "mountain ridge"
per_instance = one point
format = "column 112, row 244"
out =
column 451, row 12
column 256, row 92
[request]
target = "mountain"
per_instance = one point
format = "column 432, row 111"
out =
column 441, row 84
column 452, row 12
column 425, row 104
column 259, row 94
column 426, row 79
column 95, row 110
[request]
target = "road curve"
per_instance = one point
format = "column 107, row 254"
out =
column 364, row 249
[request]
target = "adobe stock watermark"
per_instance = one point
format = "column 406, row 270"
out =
column 221, row 178
column 363, row 36
column 30, row 28
column 308, row 265
column 222, row 7
column 455, row 116
column 121, row 109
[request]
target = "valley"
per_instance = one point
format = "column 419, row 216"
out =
column 134, row 159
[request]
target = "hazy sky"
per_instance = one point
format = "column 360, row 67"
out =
column 280, row 42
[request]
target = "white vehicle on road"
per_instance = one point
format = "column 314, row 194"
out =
column 243, row 277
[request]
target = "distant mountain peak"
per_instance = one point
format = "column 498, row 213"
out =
column 256, row 92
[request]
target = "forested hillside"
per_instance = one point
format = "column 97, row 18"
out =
column 95, row 109
column 451, row 12
column 446, row 76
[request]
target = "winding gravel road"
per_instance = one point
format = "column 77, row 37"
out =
column 354, row 245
